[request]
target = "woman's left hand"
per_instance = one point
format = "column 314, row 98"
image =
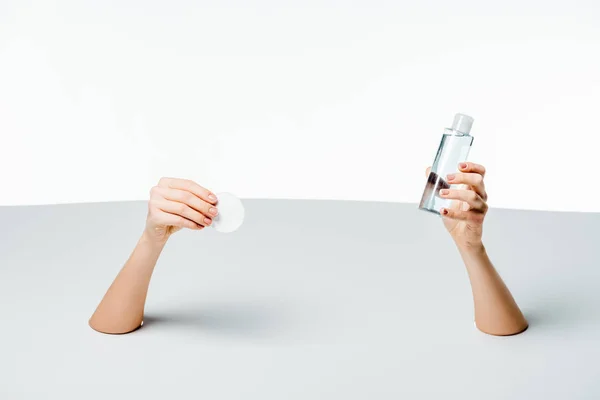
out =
column 464, row 218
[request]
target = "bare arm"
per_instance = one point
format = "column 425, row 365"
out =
column 122, row 308
column 174, row 204
column 496, row 311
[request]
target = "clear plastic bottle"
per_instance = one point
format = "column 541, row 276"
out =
column 454, row 149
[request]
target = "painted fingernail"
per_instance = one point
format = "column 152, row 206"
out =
column 212, row 197
column 212, row 210
column 208, row 221
column 444, row 192
column 444, row 211
column 463, row 165
column 451, row 177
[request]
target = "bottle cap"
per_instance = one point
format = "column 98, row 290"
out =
column 231, row 213
column 462, row 123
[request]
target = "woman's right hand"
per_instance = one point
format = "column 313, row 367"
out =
column 178, row 203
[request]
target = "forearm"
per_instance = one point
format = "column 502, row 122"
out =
column 496, row 311
column 122, row 308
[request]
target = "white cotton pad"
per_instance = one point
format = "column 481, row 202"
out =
column 231, row 213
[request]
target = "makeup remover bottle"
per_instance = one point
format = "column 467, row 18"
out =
column 454, row 149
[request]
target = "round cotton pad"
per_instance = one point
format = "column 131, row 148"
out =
column 231, row 213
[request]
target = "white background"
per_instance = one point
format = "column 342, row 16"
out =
column 312, row 99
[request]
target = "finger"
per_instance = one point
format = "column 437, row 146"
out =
column 475, row 181
column 167, row 219
column 189, row 186
column 185, row 197
column 183, row 210
column 427, row 171
column 468, row 196
column 454, row 214
column 461, row 215
column 472, row 167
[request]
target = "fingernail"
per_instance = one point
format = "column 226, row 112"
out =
column 212, row 197
column 444, row 192
column 463, row 165
column 444, row 211
column 213, row 211
column 451, row 177
column 208, row 221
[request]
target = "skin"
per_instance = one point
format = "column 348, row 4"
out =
column 177, row 203
column 496, row 312
column 174, row 204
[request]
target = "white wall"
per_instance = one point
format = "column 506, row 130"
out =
column 324, row 99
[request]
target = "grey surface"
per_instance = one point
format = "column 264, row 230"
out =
column 308, row 300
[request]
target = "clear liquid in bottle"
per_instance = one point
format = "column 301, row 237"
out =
column 454, row 149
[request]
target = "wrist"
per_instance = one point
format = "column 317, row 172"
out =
column 471, row 249
column 152, row 241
